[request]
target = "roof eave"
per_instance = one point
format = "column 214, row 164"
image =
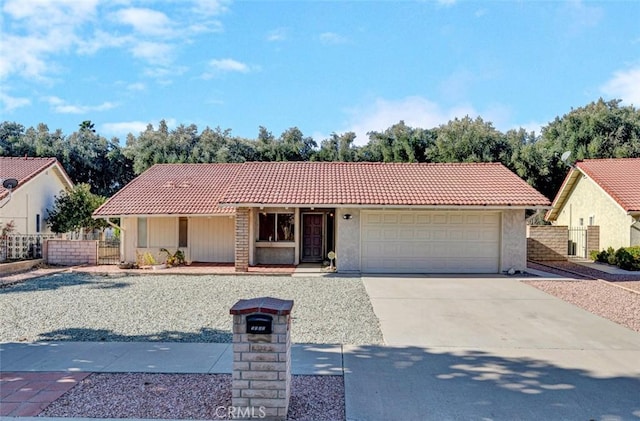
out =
column 378, row 206
column 163, row 215
column 562, row 195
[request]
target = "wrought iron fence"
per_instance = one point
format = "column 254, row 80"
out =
column 577, row 242
column 22, row 247
column 109, row 252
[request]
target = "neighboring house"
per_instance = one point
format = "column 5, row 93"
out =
column 39, row 181
column 602, row 192
column 377, row 217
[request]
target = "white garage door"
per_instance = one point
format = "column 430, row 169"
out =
column 430, row 242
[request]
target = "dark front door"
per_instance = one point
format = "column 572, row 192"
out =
column 312, row 237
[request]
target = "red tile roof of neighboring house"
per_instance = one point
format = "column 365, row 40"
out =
column 618, row 177
column 160, row 189
column 174, row 189
column 341, row 183
column 24, row 169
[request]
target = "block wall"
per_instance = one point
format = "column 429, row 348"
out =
column 593, row 238
column 72, row 252
column 547, row 242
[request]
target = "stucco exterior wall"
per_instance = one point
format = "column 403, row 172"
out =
column 31, row 199
column 348, row 240
column 588, row 199
column 514, row 240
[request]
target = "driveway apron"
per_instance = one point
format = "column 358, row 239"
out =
column 489, row 347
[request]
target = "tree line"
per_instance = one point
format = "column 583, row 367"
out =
column 601, row 129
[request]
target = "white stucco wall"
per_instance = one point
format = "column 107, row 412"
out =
column 31, row 199
column 514, row 240
column 348, row 240
column 588, row 199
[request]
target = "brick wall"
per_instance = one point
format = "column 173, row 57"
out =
column 242, row 240
column 547, row 242
column 72, row 252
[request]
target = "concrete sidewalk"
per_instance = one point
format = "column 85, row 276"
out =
column 153, row 357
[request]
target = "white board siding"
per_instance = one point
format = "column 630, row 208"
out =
column 163, row 232
column 212, row 239
column 430, row 242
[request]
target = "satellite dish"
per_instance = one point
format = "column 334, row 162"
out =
column 10, row 183
column 565, row 156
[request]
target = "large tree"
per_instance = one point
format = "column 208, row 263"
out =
column 398, row 143
column 72, row 210
column 469, row 140
column 601, row 129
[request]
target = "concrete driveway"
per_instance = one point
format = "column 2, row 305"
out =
column 490, row 348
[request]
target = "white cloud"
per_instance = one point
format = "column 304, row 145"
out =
column 145, row 21
column 229, row 65
column 138, row 86
column 332, row 38
column 625, row 85
column 210, row 7
column 39, row 29
column 123, row 128
column 279, row 34
column 415, row 111
column 36, row 34
column 225, row 65
column 10, row 103
column 153, row 52
column 49, row 13
column 60, row 106
column 135, row 127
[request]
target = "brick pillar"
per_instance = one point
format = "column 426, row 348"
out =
column 261, row 385
column 242, row 240
column 593, row 238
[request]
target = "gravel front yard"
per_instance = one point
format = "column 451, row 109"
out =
column 179, row 308
column 598, row 297
column 188, row 396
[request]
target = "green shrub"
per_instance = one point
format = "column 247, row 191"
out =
column 624, row 259
column 601, row 256
column 611, row 256
column 593, row 255
column 635, row 252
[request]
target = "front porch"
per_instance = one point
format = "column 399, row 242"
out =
column 283, row 235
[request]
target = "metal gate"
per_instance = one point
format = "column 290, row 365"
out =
column 109, row 252
column 577, row 242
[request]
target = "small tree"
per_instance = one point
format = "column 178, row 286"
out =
column 72, row 210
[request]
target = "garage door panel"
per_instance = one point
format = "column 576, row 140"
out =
column 430, row 242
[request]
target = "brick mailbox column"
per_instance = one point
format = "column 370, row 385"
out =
column 261, row 383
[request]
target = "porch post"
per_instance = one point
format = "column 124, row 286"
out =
column 242, row 240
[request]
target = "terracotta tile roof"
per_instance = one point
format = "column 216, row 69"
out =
column 178, row 189
column 620, row 178
column 339, row 183
column 22, row 169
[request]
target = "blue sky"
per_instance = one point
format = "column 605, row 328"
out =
column 319, row 65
